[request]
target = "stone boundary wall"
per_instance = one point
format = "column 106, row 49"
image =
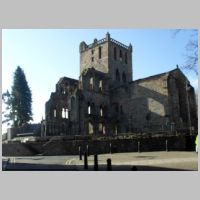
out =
column 71, row 147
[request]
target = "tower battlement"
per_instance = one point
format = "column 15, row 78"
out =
column 108, row 56
column 84, row 46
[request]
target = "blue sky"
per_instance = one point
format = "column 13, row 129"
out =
column 48, row 54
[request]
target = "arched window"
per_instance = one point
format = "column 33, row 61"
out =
column 65, row 114
column 115, row 53
column 124, row 77
column 90, row 128
column 54, row 112
column 104, row 130
column 100, row 127
column 91, row 83
column 117, row 75
column 101, row 111
column 100, row 86
column 89, row 109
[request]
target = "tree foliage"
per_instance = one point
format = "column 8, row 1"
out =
column 19, row 101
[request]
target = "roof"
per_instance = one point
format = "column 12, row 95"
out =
column 159, row 75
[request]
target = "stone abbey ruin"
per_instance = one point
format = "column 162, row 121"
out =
column 106, row 106
column 106, row 101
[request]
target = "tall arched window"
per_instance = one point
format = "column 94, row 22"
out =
column 100, row 86
column 89, row 109
column 124, row 77
column 90, row 128
column 65, row 113
column 91, row 83
column 54, row 112
column 101, row 111
column 117, row 75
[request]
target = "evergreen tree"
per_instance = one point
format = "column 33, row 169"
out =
column 19, row 101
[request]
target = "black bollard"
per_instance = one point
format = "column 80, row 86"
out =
column 109, row 165
column 96, row 162
column 85, row 161
column 134, row 168
column 80, row 153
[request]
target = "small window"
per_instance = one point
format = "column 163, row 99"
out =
column 115, row 53
column 92, row 51
column 92, row 59
column 99, row 52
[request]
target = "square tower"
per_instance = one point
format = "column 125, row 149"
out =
column 108, row 56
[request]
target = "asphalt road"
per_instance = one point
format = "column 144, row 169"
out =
column 146, row 161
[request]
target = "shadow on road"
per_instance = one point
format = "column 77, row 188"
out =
column 53, row 167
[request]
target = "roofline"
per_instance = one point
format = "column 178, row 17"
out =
column 157, row 75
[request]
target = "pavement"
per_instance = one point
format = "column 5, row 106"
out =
column 144, row 161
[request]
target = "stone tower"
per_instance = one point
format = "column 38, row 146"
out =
column 108, row 56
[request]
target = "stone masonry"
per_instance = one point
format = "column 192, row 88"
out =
column 106, row 101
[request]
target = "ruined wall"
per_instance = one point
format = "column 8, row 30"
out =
column 71, row 147
column 148, row 107
column 62, row 117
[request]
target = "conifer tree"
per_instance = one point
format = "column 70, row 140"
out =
column 19, row 101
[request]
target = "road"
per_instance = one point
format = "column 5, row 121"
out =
column 145, row 161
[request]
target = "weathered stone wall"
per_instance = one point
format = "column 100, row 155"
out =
column 119, row 63
column 62, row 147
column 160, row 102
column 16, row 149
column 64, row 100
column 100, row 64
column 186, row 103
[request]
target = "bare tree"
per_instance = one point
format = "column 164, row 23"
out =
column 191, row 50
